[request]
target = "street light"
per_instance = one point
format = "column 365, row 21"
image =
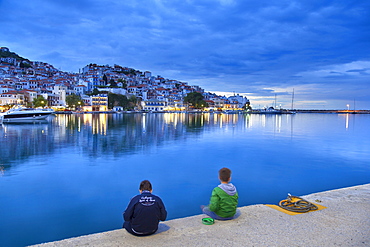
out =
column 348, row 107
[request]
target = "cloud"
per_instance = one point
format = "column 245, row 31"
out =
column 353, row 69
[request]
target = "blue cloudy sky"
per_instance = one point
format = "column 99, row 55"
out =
column 257, row 48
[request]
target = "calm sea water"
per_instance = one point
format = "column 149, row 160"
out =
column 74, row 174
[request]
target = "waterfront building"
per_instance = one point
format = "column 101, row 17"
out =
column 12, row 98
column 153, row 105
column 99, row 102
column 117, row 108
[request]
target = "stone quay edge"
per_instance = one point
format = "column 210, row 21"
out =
column 344, row 222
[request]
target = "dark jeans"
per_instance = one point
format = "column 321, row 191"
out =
column 213, row 215
column 127, row 226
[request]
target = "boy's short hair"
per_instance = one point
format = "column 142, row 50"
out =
column 224, row 174
column 145, row 185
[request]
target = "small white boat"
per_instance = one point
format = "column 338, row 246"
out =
column 269, row 110
column 19, row 114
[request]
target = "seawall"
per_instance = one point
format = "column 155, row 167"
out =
column 344, row 222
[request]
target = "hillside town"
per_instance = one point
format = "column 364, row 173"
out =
column 22, row 81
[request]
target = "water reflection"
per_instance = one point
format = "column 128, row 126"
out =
column 2, row 169
column 349, row 119
column 120, row 134
column 113, row 134
column 19, row 141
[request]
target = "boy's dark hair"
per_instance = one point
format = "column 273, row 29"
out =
column 145, row 185
column 224, row 174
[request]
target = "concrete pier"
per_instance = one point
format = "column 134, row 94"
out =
column 344, row 222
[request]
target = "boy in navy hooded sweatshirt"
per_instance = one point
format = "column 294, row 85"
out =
column 144, row 212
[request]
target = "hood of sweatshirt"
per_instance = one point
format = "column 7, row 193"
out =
column 229, row 188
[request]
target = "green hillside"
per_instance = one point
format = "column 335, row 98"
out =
column 6, row 53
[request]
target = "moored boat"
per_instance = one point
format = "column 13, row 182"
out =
column 19, row 114
column 269, row 110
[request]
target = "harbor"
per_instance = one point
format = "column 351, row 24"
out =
column 74, row 174
column 97, row 97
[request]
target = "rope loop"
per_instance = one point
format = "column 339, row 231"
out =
column 297, row 204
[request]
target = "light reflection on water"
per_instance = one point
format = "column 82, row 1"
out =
column 74, row 174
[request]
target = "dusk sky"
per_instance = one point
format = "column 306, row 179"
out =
column 257, row 48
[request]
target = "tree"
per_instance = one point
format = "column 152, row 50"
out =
column 122, row 100
column 74, row 100
column 133, row 102
column 24, row 64
column 95, row 92
column 40, row 101
column 247, row 106
column 105, row 79
column 196, row 100
column 117, row 100
column 112, row 83
column 124, row 84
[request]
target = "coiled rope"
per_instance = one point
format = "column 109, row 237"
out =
column 297, row 204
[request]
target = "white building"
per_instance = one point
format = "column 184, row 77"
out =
column 240, row 99
column 80, row 89
column 153, row 105
column 60, row 90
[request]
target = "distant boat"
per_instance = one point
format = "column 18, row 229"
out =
column 231, row 111
column 270, row 110
column 19, row 114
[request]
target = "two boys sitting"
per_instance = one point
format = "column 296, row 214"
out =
column 144, row 211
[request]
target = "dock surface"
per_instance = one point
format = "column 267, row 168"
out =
column 344, row 222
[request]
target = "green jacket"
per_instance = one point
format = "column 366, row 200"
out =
column 224, row 200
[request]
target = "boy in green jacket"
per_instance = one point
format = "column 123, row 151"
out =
column 224, row 199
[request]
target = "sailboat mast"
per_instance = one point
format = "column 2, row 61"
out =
column 354, row 104
column 292, row 98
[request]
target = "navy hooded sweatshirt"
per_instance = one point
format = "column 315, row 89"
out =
column 144, row 213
